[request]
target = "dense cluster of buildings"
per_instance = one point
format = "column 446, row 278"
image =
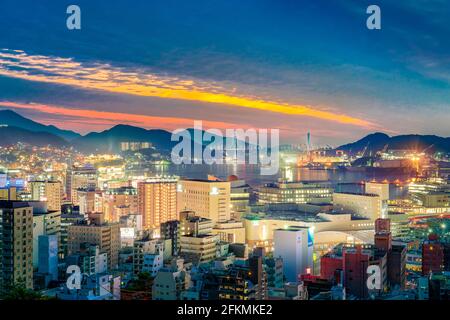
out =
column 128, row 236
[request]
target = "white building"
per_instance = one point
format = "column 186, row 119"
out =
column 207, row 198
column 295, row 246
column 361, row 205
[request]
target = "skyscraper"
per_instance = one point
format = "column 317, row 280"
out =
column 157, row 202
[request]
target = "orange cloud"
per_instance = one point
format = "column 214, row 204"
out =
column 105, row 118
column 112, row 79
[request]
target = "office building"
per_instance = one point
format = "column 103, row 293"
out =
column 197, row 242
column 295, row 192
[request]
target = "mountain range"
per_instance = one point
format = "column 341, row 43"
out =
column 378, row 141
column 21, row 129
column 11, row 135
column 13, row 119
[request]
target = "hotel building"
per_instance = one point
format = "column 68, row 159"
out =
column 157, row 201
column 207, row 198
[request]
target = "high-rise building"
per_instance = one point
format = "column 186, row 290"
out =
column 49, row 191
column 157, row 201
column 397, row 266
column 295, row 246
column 79, row 177
column 16, row 249
column 105, row 235
column 207, row 198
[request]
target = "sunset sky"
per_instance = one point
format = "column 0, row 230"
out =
column 292, row 65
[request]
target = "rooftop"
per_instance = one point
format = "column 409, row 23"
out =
column 4, row 204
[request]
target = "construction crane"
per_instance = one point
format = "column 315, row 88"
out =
column 365, row 150
column 431, row 145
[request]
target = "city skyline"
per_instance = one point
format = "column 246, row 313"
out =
column 296, row 66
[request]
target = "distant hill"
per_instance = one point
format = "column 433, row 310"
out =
column 377, row 141
column 14, row 119
column 26, row 130
column 109, row 140
column 12, row 135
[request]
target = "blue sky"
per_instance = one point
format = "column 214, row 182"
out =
column 313, row 64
